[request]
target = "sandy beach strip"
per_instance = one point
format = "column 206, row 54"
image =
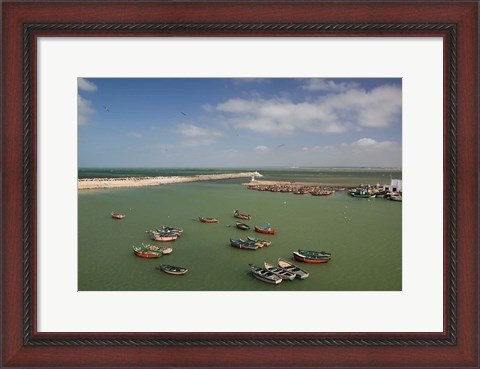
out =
column 125, row 182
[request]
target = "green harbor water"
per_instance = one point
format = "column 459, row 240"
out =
column 363, row 235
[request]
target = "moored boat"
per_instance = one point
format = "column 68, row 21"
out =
column 258, row 244
column 162, row 237
column 362, row 193
column 317, row 253
column 144, row 253
column 322, row 193
column 170, row 230
column 265, row 275
column 299, row 272
column 208, row 220
column 396, row 197
column 265, row 230
column 238, row 215
column 163, row 249
column 257, row 240
column 242, row 226
column 282, row 273
column 312, row 256
column 241, row 244
column 172, row 269
column 117, row 216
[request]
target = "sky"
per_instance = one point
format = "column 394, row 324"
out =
column 239, row 122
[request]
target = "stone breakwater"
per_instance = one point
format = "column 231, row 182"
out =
column 95, row 183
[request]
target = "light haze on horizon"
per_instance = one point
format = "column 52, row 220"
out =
column 239, row 122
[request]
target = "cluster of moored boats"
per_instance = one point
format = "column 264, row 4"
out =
column 361, row 191
column 368, row 192
column 297, row 190
column 269, row 273
column 285, row 270
column 163, row 234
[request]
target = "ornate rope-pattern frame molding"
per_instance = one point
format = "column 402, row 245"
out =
column 323, row 29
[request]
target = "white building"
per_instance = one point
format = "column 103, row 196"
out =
column 395, row 186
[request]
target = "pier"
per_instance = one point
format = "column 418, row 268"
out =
column 126, row 182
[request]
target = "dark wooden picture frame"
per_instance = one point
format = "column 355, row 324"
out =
column 23, row 22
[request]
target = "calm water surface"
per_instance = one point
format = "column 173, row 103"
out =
column 363, row 235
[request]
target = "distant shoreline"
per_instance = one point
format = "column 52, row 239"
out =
column 127, row 182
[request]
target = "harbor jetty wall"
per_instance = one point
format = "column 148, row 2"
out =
column 96, row 183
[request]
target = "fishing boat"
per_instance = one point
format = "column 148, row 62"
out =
column 265, row 230
column 170, row 230
column 240, row 244
column 362, row 193
column 257, row 240
column 117, row 216
column 282, row 273
column 172, row 269
column 208, row 220
column 161, row 237
column 322, row 193
column 163, row 249
column 265, row 275
column 396, row 197
column 317, row 253
column 311, row 256
column 242, row 226
column 144, row 253
column 299, row 272
column 238, row 215
column 258, row 244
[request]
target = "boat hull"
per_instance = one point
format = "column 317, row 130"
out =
column 208, row 220
column 258, row 241
column 265, row 275
column 265, row 231
column 282, row 273
column 266, row 280
column 169, row 269
column 147, row 255
column 359, row 196
column 174, row 273
column 242, row 226
column 237, row 215
column 306, row 259
column 164, row 250
column 243, row 245
column 299, row 272
column 164, row 238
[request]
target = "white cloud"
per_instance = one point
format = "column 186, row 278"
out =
column 362, row 152
column 261, row 148
column 320, row 84
column 196, row 136
column 192, row 130
column 134, row 134
column 84, row 110
column 364, row 142
column 85, row 85
column 372, row 145
column 336, row 113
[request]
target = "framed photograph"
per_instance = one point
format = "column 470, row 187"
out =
column 221, row 184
